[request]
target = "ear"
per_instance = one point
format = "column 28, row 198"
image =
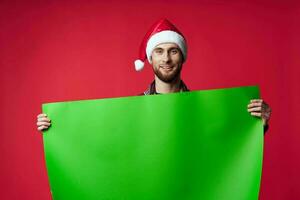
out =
column 181, row 55
column 150, row 60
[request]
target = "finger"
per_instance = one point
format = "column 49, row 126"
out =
column 40, row 128
column 255, row 109
column 43, row 124
column 43, row 119
column 256, row 100
column 42, row 115
column 251, row 105
column 256, row 114
column 264, row 104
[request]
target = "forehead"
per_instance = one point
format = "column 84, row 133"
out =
column 167, row 45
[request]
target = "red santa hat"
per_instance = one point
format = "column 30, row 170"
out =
column 161, row 32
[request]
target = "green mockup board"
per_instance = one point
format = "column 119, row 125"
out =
column 200, row 145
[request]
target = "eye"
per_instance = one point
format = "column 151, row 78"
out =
column 158, row 51
column 174, row 51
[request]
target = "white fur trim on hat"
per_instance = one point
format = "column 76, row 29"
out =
column 166, row 37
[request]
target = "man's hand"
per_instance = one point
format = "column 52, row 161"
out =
column 259, row 108
column 43, row 122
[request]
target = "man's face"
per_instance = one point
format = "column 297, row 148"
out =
column 167, row 61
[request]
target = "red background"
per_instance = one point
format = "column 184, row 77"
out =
column 60, row 50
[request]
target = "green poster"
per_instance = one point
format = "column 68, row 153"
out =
column 186, row 146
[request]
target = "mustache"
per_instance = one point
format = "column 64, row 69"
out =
column 164, row 65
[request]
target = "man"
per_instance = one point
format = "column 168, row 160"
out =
column 165, row 48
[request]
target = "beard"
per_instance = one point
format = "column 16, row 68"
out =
column 167, row 77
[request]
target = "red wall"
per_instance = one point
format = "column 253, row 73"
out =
column 58, row 51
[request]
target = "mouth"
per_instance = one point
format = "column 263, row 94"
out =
column 166, row 67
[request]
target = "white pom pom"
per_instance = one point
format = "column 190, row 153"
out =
column 139, row 65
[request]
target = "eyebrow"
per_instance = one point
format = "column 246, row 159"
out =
column 172, row 48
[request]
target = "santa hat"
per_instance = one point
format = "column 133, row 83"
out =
column 161, row 32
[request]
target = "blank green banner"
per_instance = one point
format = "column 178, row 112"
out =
column 200, row 145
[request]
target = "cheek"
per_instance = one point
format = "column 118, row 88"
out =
column 155, row 61
column 154, row 58
column 177, row 60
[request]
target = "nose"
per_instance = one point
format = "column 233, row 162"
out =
column 166, row 57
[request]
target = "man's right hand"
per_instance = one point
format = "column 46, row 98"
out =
column 43, row 122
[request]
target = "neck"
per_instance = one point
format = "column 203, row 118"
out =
column 163, row 87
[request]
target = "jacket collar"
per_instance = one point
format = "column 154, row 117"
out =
column 151, row 89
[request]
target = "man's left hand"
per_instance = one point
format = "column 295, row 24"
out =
column 259, row 108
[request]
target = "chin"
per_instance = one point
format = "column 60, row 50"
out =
column 167, row 76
